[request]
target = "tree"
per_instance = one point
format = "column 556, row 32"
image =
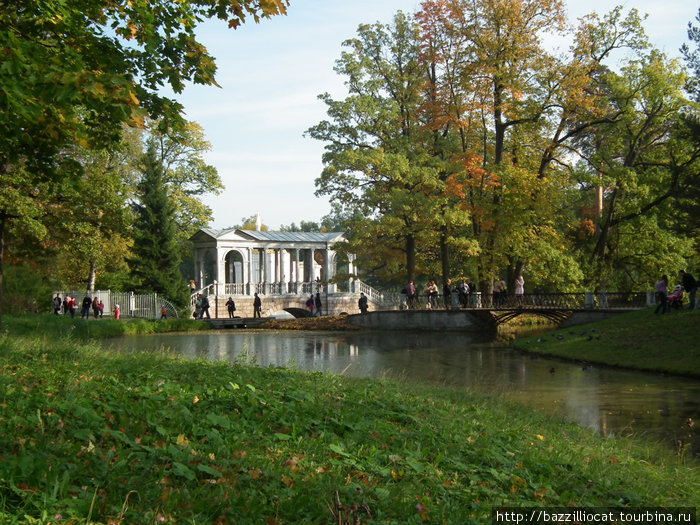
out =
column 372, row 167
column 254, row 222
column 155, row 261
column 689, row 195
column 73, row 72
column 643, row 163
column 187, row 175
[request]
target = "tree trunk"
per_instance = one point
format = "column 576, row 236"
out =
column 91, row 278
column 444, row 259
column 410, row 258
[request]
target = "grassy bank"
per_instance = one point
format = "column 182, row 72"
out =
column 60, row 326
column 91, row 436
column 640, row 340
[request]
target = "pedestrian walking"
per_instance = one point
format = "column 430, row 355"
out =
column 257, row 306
column 231, row 307
column 318, row 304
column 362, row 303
column 662, row 294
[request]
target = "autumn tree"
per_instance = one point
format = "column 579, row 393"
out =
column 520, row 109
column 181, row 153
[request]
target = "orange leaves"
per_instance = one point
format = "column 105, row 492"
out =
column 262, row 9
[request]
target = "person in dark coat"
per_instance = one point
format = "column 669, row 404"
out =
column 57, row 304
column 231, row 306
column 317, row 303
column 257, row 306
column 690, row 286
column 362, row 303
column 85, row 312
column 205, row 307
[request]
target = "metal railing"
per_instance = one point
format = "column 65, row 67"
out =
column 399, row 301
column 560, row 301
column 144, row 306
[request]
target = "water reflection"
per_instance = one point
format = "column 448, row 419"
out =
column 612, row 402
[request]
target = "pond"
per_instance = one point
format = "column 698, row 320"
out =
column 610, row 401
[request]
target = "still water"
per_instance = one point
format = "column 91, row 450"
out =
column 610, row 401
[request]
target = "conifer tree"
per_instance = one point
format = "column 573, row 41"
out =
column 154, row 265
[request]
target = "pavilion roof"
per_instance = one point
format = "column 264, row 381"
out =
column 278, row 236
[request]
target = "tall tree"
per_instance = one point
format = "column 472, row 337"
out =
column 371, row 164
column 155, row 261
column 188, row 177
column 644, row 162
column 689, row 195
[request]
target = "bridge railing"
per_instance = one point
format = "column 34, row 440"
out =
column 560, row 301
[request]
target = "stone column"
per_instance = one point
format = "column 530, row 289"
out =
column 200, row 273
column 297, row 267
column 197, row 266
column 351, row 270
column 266, row 271
column 220, row 266
column 249, row 280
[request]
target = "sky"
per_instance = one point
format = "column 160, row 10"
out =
column 271, row 74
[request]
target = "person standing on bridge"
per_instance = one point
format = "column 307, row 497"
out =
column 447, row 294
column 362, row 303
column 257, row 306
column 519, row 290
column 231, row 306
column 205, row 307
column 410, row 295
column 318, row 304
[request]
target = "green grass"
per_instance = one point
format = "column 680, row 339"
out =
column 90, row 436
column 58, row 326
column 638, row 340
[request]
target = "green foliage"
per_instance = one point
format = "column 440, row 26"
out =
column 74, row 72
column 58, row 326
column 145, row 438
column 187, row 175
column 25, row 291
column 155, row 262
column 465, row 148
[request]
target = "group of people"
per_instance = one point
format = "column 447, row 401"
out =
column 314, row 305
column 201, row 307
column 687, row 284
column 69, row 305
column 463, row 290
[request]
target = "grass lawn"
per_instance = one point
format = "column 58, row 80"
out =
column 640, row 340
column 90, row 436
